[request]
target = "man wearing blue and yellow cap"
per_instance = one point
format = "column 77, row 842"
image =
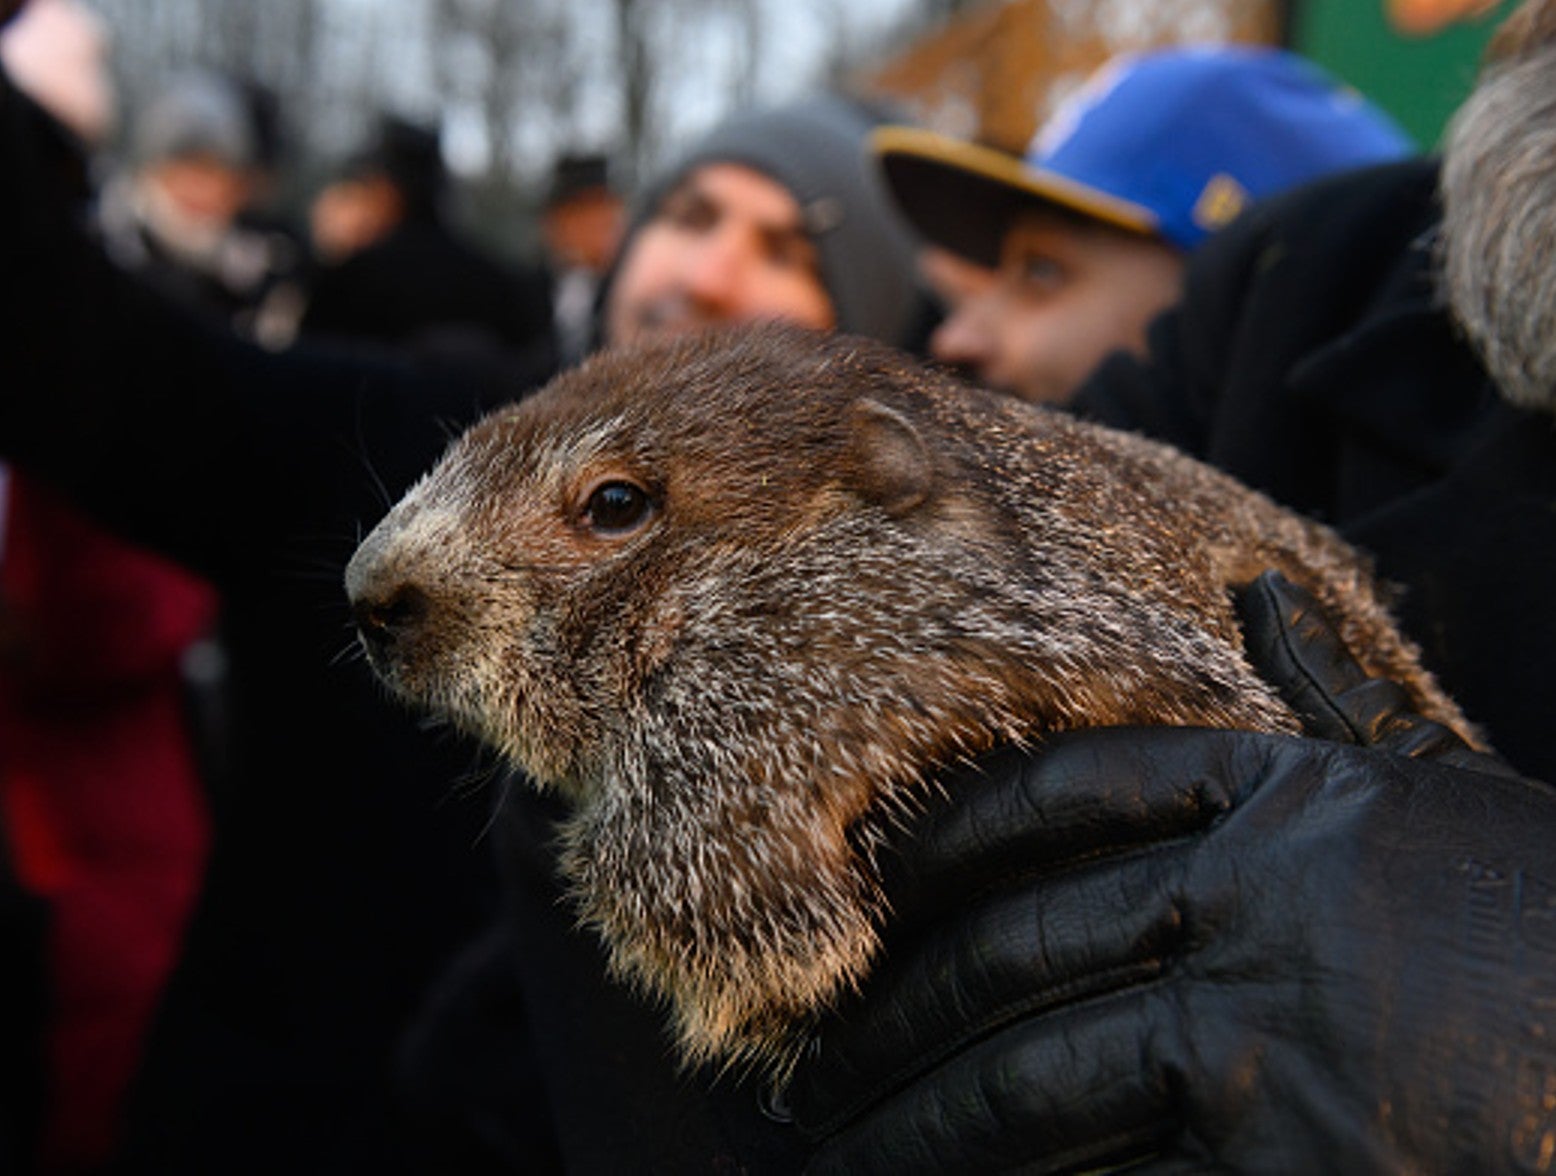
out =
column 1084, row 238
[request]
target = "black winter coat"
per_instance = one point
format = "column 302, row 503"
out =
column 424, row 284
column 1312, row 358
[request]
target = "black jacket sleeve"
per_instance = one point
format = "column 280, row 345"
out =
column 168, row 426
column 1309, row 355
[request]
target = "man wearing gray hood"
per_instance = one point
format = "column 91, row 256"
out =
column 775, row 214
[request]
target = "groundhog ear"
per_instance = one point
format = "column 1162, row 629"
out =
column 891, row 466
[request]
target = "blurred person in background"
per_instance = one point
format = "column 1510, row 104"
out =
column 1089, row 232
column 200, row 160
column 395, row 272
column 776, row 213
column 580, row 223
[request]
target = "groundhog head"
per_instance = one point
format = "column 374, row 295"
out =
column 739, row 597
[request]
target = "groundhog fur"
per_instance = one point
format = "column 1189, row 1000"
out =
column 739, row 597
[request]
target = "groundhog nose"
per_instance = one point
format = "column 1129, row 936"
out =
column 384, row 620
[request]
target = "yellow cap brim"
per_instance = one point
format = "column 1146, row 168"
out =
column 962, row 196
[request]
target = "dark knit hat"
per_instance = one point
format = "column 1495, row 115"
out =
column 574, row 175
column 817, row 149
column 196, row 113
column 410, row 155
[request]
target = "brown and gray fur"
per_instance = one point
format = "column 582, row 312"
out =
column 855, row 571
column 1499, row 209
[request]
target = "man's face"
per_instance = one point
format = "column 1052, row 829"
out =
column 1066, row 294
column 954, row 280
column 583, row 231
column 727, row 244
column 203, row 188
column 351, row 214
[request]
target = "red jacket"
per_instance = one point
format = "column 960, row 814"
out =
column 99, row 791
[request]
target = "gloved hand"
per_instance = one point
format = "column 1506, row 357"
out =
column 1213, row 950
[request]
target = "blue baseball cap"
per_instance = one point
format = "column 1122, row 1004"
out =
column 1170, row 144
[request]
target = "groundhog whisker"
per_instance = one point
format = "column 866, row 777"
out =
column 351, row 652
column 478, row 778
column 505, row 784
column 365, row 461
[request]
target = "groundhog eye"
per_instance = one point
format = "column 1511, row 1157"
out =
column 616, row 507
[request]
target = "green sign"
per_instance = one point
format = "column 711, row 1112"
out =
column 1415, row 58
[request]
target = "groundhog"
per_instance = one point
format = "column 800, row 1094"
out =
column 741, row 597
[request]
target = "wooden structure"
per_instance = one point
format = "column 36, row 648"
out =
column 994, row 72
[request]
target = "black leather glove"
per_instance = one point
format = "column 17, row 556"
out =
column 1196, row 950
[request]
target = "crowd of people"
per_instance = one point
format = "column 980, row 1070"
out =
column 257, row 919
